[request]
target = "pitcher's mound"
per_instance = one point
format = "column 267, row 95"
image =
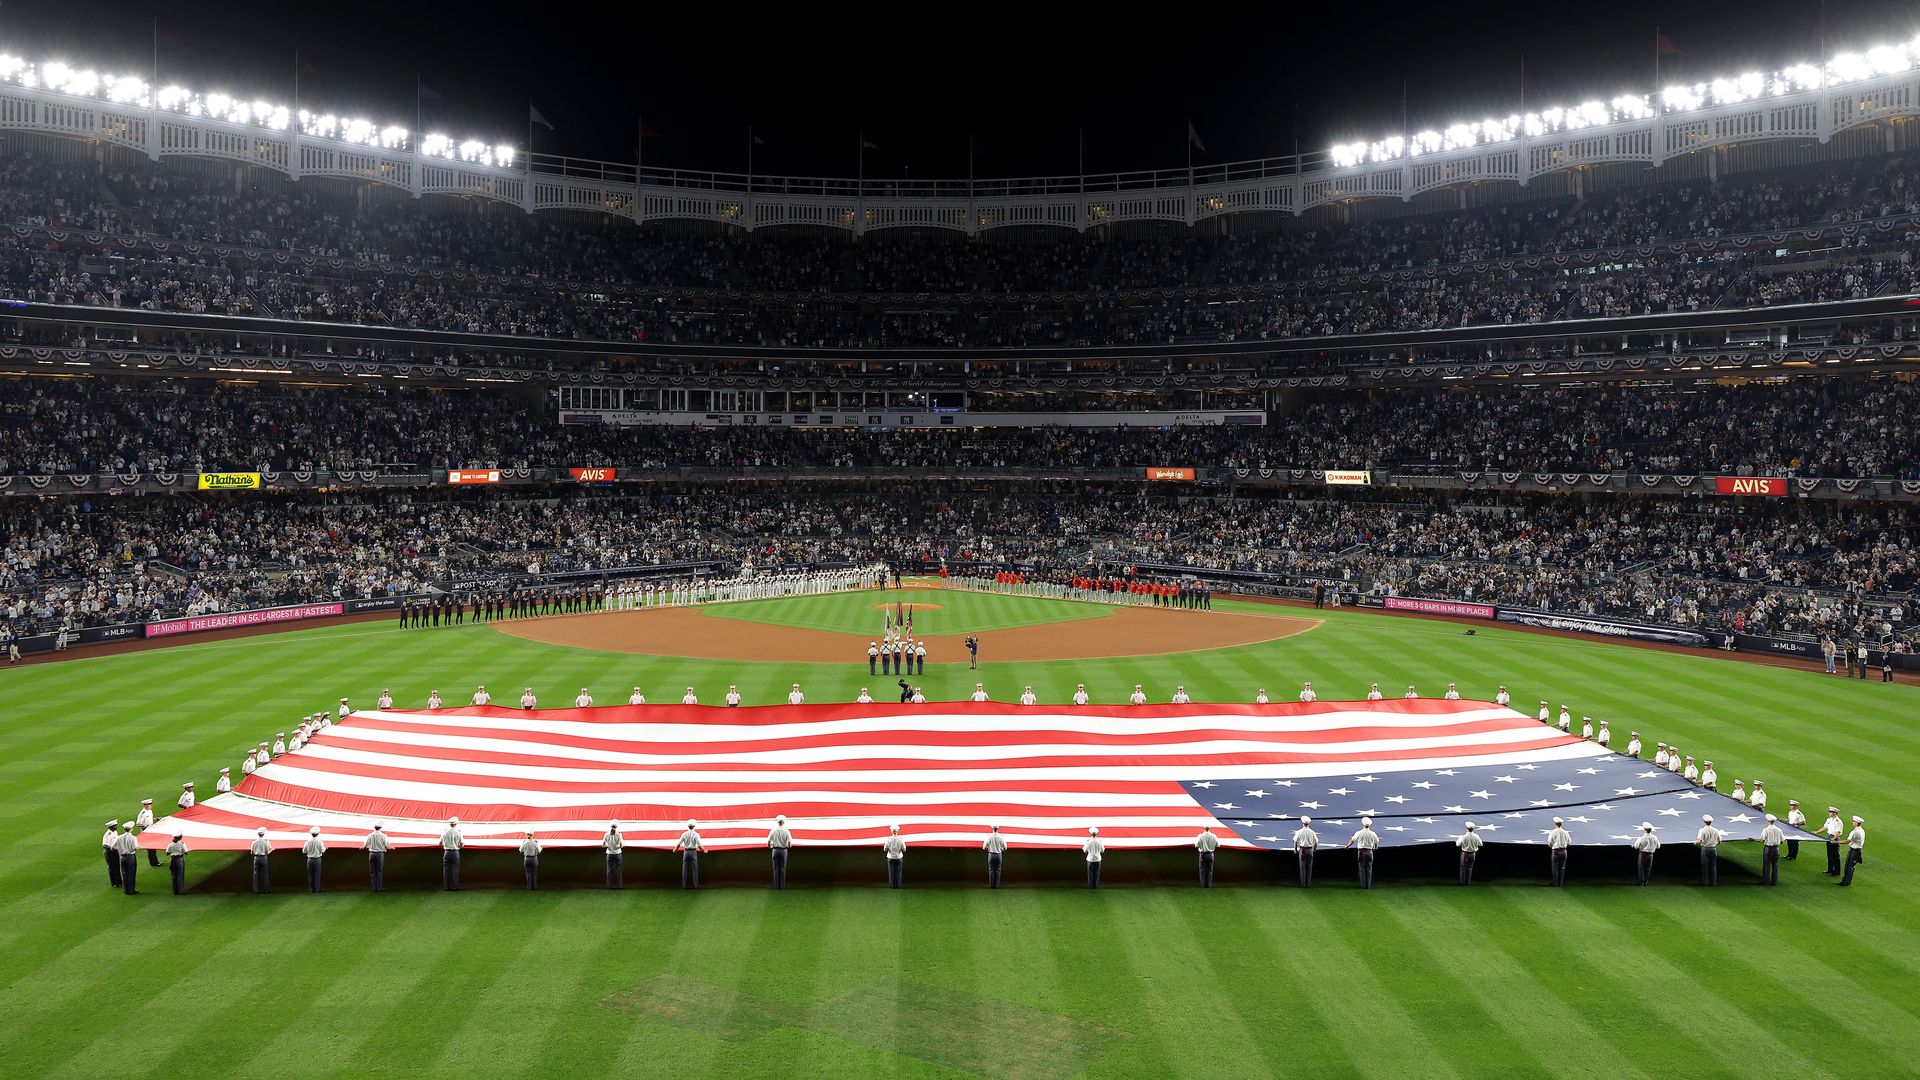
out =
column 686, row 632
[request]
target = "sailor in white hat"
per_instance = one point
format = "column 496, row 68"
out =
column 1559, row 841
column 636, row 698
column 109, row 841
column 1645, row 845
column 185, row 802
column 1305, row 843
column 313, row 849
column 480, row 695
column 979, row 692
column 1770, row 840
column 260, row 849
column 615, row 846
column 1080, row 694
column 1708, row 840
column 450, row 844
column 1366, row 843
column 128, row 849
column 433, row 700
column 1180, row 695
column 865, row 698
column 1469, row 843
column 377, row 844
column 1027, row 697
column 779, row 845
column 177, row 863
column 225, row 783
column 795, row 697
column 144, row 821
column 385, row 700
column 1856, row 849
column 995, row 846
column 895, row 848
column 1796, row 819
column 1633, row 744
column 583, row 699
column 1835, row 829
column 1095, row 851
column 530, row 861
column 1139, row 695
column 1206, row 844
column 689, row 847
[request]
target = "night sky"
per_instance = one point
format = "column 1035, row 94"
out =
column 918, row 78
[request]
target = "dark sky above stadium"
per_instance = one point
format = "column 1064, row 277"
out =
column 1256, row 80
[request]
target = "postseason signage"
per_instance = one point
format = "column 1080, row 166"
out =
column 473, row 476
column 1750, row 485
column 1349, row 476
column 1170, row 474
column 229, row 481
column 595, row 476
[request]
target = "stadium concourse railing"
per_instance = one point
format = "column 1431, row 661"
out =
column 1860, row 489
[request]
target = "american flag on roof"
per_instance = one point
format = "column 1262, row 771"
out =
column 1148, row 776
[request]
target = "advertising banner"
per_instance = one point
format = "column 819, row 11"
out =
column 1349, row 476
column 1438, row 607
column 229, row 481
column 1750, row 485
column 229, row 619
column 1170, row 474
column 1592, row 624
column 473, row 476
column 594, row 476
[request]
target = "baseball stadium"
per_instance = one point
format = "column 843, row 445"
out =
column 512, row 603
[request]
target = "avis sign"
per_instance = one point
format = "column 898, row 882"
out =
column 1750, row 485
column 595, row 476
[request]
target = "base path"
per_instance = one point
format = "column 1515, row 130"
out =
column 1128, row 631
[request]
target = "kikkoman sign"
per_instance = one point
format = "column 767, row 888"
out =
column 228, row 481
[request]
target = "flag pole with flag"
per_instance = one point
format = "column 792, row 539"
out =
column 534, row 117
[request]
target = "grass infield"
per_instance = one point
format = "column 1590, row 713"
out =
column 841, row 977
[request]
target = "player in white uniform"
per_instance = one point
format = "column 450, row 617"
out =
column 1139, row 696
column 979, row 692
column 795, row 697
column 1180, row 695
column 1307, row 694
column 1027, row 697
column 864, row 698
column 481, row 697
column 636, row 698
column 1080, row 695
column 583, row 700
column 688, row 698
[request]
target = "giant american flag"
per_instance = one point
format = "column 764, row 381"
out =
column 1148, row 776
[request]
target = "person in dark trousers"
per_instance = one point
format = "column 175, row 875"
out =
column 1834, row 830
column 906, row 692
column 616, row 848
column 1886, row 666
column 1305, row 842
column 1096, row 852
column 128, row 847
column 973, row 652
column 689, row 847
column 1319, row 594
column 1206, row 844
column 314, row 849
column 1856, row 851
column 377, row 845
column 260, row 849
column 530, row 862
column 109, row 849
column 896, row 850
column 177, row 864
column 996, row 849
column 1469, row 844
column 450, row 844
column 779, row 844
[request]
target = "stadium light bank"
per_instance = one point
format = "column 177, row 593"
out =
column 1844, row 68
column 134, row 92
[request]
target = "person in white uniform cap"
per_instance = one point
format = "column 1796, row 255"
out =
column 1094, row 851
column 377, row 844
column 1796, row 819
column 450, row 844
column 260, row 849
column 1365, row 843
column 1180, row 695
column 186, row 796
column 109, row 847
column 1708, row 841
column 732, row 698
column 1373, row 693
column 1027, row 697
column 1558, row 843
column 1206, row 844
column 1452, row 694
column 1603, row 736
column 896, row 851
column 313, row 849
column 1139, row 696
column 530, row 861
column 1503, row 698
column 615, row 847
column 689, row 846
column 795, row 697
column 481, row 697
column 689, row 698
column 144, row 821
column 583, row 699
column 433, row 700
column 1469, row 843
column 1710, row 777
column 979, row 693
column 865, row 698
column 995, row 846
column 779, row 845
column 636, row 698
column 527, row 698
column 1770, row 840
column 1080, row 694
column 1856, row 849
column 1644, row 846
column 1307, row 694
column 225, row 783
column 1305, row 843
column 1260, row 696
column 1758, row 799
column 177, row 863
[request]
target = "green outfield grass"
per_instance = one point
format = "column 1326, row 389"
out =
column 936, row 611
column 1149, row 977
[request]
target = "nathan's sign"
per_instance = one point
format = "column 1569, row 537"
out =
column 1170, row 474
column 1349, row 476
column 595, row 476
column 228, row 481
column 1750, row 485
column 473, row 476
